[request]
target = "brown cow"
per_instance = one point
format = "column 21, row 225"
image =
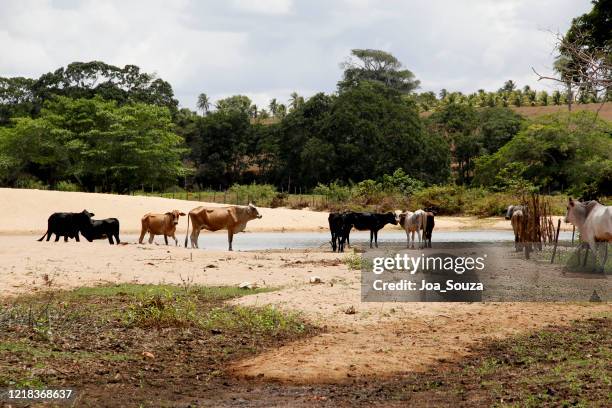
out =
column 234, row 219
column 160, row 224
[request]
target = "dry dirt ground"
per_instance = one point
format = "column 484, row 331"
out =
column 378, row 339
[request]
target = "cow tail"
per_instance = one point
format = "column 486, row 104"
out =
column 43, row 237
column 187, row 236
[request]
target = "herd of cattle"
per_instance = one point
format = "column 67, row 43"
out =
column 341, row 224
column 592, row 219
column 233, row 219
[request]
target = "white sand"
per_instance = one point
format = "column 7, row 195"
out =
column 26, row 212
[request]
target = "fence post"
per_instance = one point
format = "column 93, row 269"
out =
column 552, row 260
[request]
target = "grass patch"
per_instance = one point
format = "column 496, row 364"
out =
column 211, row 293
column 353, row 261
column 146, row 337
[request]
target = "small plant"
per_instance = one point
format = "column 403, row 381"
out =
column 31, row 183
column 353, row 261
column 67, row 186
column 165, row 309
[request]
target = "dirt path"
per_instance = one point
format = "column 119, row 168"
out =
column 443, row 332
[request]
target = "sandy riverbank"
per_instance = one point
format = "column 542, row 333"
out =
column 25, row 212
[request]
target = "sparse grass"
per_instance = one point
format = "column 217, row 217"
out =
column 265, row 320
column 142, row 336
column 353, row 261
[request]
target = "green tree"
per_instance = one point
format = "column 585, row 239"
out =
column 236, row 103
column 95, row 143
column 377, row 66
column 496, row 127
column 295, row 101
column 556, row 153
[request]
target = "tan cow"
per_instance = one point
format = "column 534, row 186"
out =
column 160, row 224
column 234, row 219
column 517, row 220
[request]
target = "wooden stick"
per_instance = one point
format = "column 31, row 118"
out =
column 552, row 260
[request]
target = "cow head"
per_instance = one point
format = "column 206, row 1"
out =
column 510, row 211
column 391, row 218
column 83, row 218
column 87, row 213
column 434, row 209
column 570, row 215
column 174, row 216
column 253, row 211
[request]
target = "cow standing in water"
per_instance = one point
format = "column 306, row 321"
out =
column 413, row 222
column 516, row 215
column 594, row 222
column 372, row 222
column 234, row 219
column 160, row 224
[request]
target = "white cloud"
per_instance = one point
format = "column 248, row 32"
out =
column 270, row 48
column 264, row 6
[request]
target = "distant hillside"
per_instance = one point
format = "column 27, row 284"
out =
column 532, row 111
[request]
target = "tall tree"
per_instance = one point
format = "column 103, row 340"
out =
column 204, row 103
column 377, row 66
column 295, row 101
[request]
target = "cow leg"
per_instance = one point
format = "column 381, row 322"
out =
column 371, row 237
column 117, row 240
column 110, row 239
column 376, row 238
column 77, row 237
column 151, row 237
column 166, row 239
column 175, row 240
column 142, row 234
column 57, row 237
column 194, row 237
column 230, row 237
column 48, row 236
column 65, row 238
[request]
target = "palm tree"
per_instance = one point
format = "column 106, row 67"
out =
column 204, row 103
column 295, row 100
column 273, row 107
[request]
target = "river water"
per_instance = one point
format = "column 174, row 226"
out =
column 299, row 240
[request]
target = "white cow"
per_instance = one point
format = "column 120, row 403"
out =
column 594, row 222
column 413, row 222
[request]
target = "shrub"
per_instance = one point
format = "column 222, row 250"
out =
column 31, row 183
column 67, row 186
column 449, row 198
column 255, row 193
column 334, row 192
column 279, row 200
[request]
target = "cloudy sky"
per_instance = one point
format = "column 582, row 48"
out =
column 269, row 48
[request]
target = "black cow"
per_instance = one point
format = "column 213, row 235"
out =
column 98, row 229
column 372, row 222
column 62, row 224
column 335, row 226
column 431, row 211
column 339, row 228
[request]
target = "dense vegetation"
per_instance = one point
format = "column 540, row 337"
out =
column 96, row 127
